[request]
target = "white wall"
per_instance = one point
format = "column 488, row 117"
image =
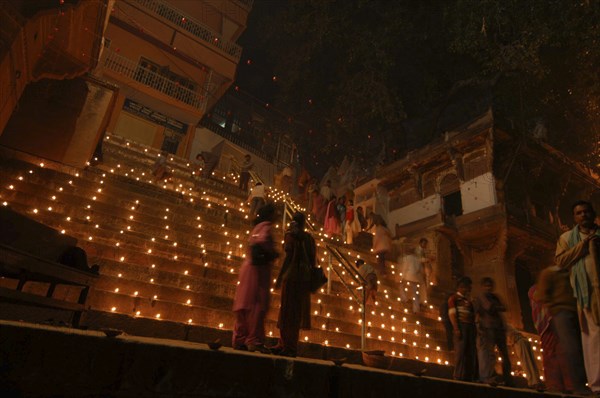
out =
column 478, row 193
column 427, row 207
column 206, row 140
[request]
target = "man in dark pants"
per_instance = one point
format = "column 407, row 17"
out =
column 554, row 290
column 462, row 317
column 491, row 333
column 443, row 310
column 245, row 172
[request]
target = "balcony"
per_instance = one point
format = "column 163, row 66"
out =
column 251, row 140
column 196, row 28
column 246, row 4
column 131, row 69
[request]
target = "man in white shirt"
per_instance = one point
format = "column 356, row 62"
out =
column 256, row 198
column 412, row 279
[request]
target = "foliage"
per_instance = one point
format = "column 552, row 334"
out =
column 354, row 70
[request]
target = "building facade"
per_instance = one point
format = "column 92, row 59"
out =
column 490, row 202
column 47, row 49
column 172, row 60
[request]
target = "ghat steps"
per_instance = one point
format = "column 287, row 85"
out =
column 169, row 253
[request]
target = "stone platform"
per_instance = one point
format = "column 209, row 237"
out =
column 39, row 360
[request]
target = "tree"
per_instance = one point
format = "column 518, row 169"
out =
column 354, row 70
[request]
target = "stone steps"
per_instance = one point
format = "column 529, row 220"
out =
column 158, row 287
column 127, row 194
column 206, row 307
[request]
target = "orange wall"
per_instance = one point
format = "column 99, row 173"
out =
column 70, row 116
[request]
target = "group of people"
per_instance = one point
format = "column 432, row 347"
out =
column 565, row 304
column 252, row 295
column 476, row 327
column 337, row 214
column 565, row 301
column 566, row 307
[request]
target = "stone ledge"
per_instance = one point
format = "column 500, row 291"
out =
column 45, row 360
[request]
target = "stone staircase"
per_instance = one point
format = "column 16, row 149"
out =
column 169, row 253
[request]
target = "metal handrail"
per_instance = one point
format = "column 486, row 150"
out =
column 191, row 25
column 135, row 71
column 247, row 4
column 363, row 283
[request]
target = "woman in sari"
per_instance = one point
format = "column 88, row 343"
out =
column 251, row 301
column 332, row 221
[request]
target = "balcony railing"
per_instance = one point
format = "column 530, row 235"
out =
column 198, row 29
column 248, row 142
column 133, row 70
column 247, row 4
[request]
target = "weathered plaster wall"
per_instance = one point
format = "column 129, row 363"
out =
column 427, row 207
column 478, row 193
column 206, row 140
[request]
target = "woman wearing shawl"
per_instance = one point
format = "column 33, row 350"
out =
column 294, row 280
column 251, row 301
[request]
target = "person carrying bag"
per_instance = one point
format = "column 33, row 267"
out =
column 296, row 282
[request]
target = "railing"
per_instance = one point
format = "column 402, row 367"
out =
column 189, row 24
column 133, row 70
column 362, row 301
column 246, row 141
column 246, row 4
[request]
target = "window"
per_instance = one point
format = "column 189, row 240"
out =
column 452, row 204
column 451, row 199
column 171, row 141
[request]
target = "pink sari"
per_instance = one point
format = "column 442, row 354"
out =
column 332, row 223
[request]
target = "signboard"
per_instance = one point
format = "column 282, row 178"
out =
column 154, row 117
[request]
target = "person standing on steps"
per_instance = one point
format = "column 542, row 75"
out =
column 491, row 334
column 412, row 279
column 579, row 251
column 382, row 243
column 367, row 272
column 252, row 294
column 256, row 198
column 462, row 317
column 160, row 169
column 294, row 280
column 245, row 168
column 198, row 165
column 427, row 260
column 564, row 370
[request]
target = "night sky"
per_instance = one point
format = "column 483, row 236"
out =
column 377, row 79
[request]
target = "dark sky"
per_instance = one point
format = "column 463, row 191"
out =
column 255, row 73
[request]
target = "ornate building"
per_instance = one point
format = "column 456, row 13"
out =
column 491, row 202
